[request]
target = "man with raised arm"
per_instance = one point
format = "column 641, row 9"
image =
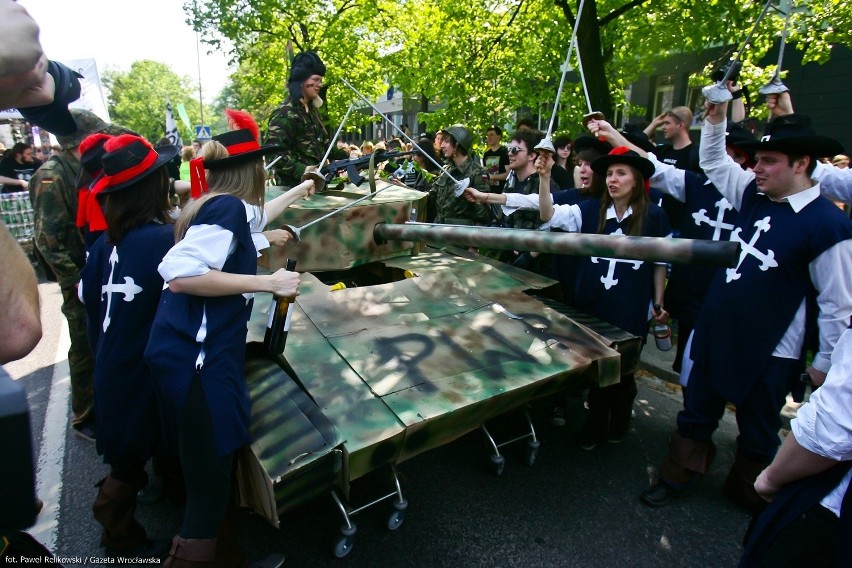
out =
column 749, row 340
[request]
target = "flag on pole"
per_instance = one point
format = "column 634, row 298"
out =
column 181, row 108
column 172, row 132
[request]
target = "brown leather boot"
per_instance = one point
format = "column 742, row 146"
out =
column 114, row 509
column 739, row 486
column 192, row 553
column 686, row 459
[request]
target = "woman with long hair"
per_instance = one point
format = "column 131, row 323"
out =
column 120, row 288
column 616, row 291
column 563, row 168
column 197, row 344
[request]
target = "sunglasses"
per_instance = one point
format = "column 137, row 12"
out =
column 514, row 149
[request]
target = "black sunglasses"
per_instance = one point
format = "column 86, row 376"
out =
column 514, row 149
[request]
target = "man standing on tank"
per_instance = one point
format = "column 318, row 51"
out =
column 296, row 124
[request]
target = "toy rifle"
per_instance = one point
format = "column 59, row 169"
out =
column 353, row 166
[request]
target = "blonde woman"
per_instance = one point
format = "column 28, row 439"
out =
column 197, row 342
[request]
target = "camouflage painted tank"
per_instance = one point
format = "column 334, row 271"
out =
column 397, row 347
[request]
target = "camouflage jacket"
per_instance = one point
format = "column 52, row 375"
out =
column 304, row 138
column 458, row 210
column 53, row 190
column 525, row 219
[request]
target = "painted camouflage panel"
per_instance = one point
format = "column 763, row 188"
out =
column 345, row 240
column 405, row 367
column 295, row 453
column 372, row 432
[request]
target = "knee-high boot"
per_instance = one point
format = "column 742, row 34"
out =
column 686, row 459
column 191, row 553
column 114, row 509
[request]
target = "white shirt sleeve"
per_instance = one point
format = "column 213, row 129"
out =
column 834, row 297
column 257, row 221
column 204, row 248
column 824, row 424
column 835, row 183
column 728, row 177
column 516, row 201
column 668, row 178
column 567, row 217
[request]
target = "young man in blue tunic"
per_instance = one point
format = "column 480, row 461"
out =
column 749, row 339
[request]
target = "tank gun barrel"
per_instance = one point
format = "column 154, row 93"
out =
column 654, row 249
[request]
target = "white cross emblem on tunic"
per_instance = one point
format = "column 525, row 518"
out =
column 767, row 259
column 609, row 281
column 129, row 288
column 718, row 224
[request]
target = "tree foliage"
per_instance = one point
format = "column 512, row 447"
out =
column 481, row 61
column 137, row 99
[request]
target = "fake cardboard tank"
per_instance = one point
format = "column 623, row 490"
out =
column 400, row 345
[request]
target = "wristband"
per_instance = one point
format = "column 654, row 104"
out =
column 737, row 94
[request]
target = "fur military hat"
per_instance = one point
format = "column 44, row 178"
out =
column 127, row 160
column 793, row 134
column 304, row 65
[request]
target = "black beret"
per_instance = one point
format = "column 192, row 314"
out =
column 304, row 65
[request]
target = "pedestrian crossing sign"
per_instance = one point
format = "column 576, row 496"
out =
column 203, row 132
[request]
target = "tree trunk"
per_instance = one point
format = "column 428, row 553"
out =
column 591, row 54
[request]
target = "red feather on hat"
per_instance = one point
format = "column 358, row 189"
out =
column 619, row 150
column 122, row 140
column 91, row 141
column 241, row 120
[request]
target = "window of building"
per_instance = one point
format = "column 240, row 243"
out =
column 663, row 94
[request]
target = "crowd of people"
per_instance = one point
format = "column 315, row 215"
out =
column 150, row 373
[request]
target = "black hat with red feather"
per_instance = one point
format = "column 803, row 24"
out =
column 92, row 150
column 128, row 159
column 242, row 143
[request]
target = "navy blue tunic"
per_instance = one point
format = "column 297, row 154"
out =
column 749, row 308
column 709, row 216
column 174, row 349
column 121, row 290
column 564, row 266
column 618, row 291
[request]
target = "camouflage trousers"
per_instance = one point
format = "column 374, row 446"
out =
column 80, row 361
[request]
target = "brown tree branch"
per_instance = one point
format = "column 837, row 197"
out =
column 619, row 11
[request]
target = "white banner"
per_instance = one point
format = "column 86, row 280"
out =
column 91, row 91
column 172, row 132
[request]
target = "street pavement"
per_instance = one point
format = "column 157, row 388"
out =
column 571, row 508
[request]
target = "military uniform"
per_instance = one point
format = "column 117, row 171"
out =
column 458, row 210
column 53, row 190
column 303, row 135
